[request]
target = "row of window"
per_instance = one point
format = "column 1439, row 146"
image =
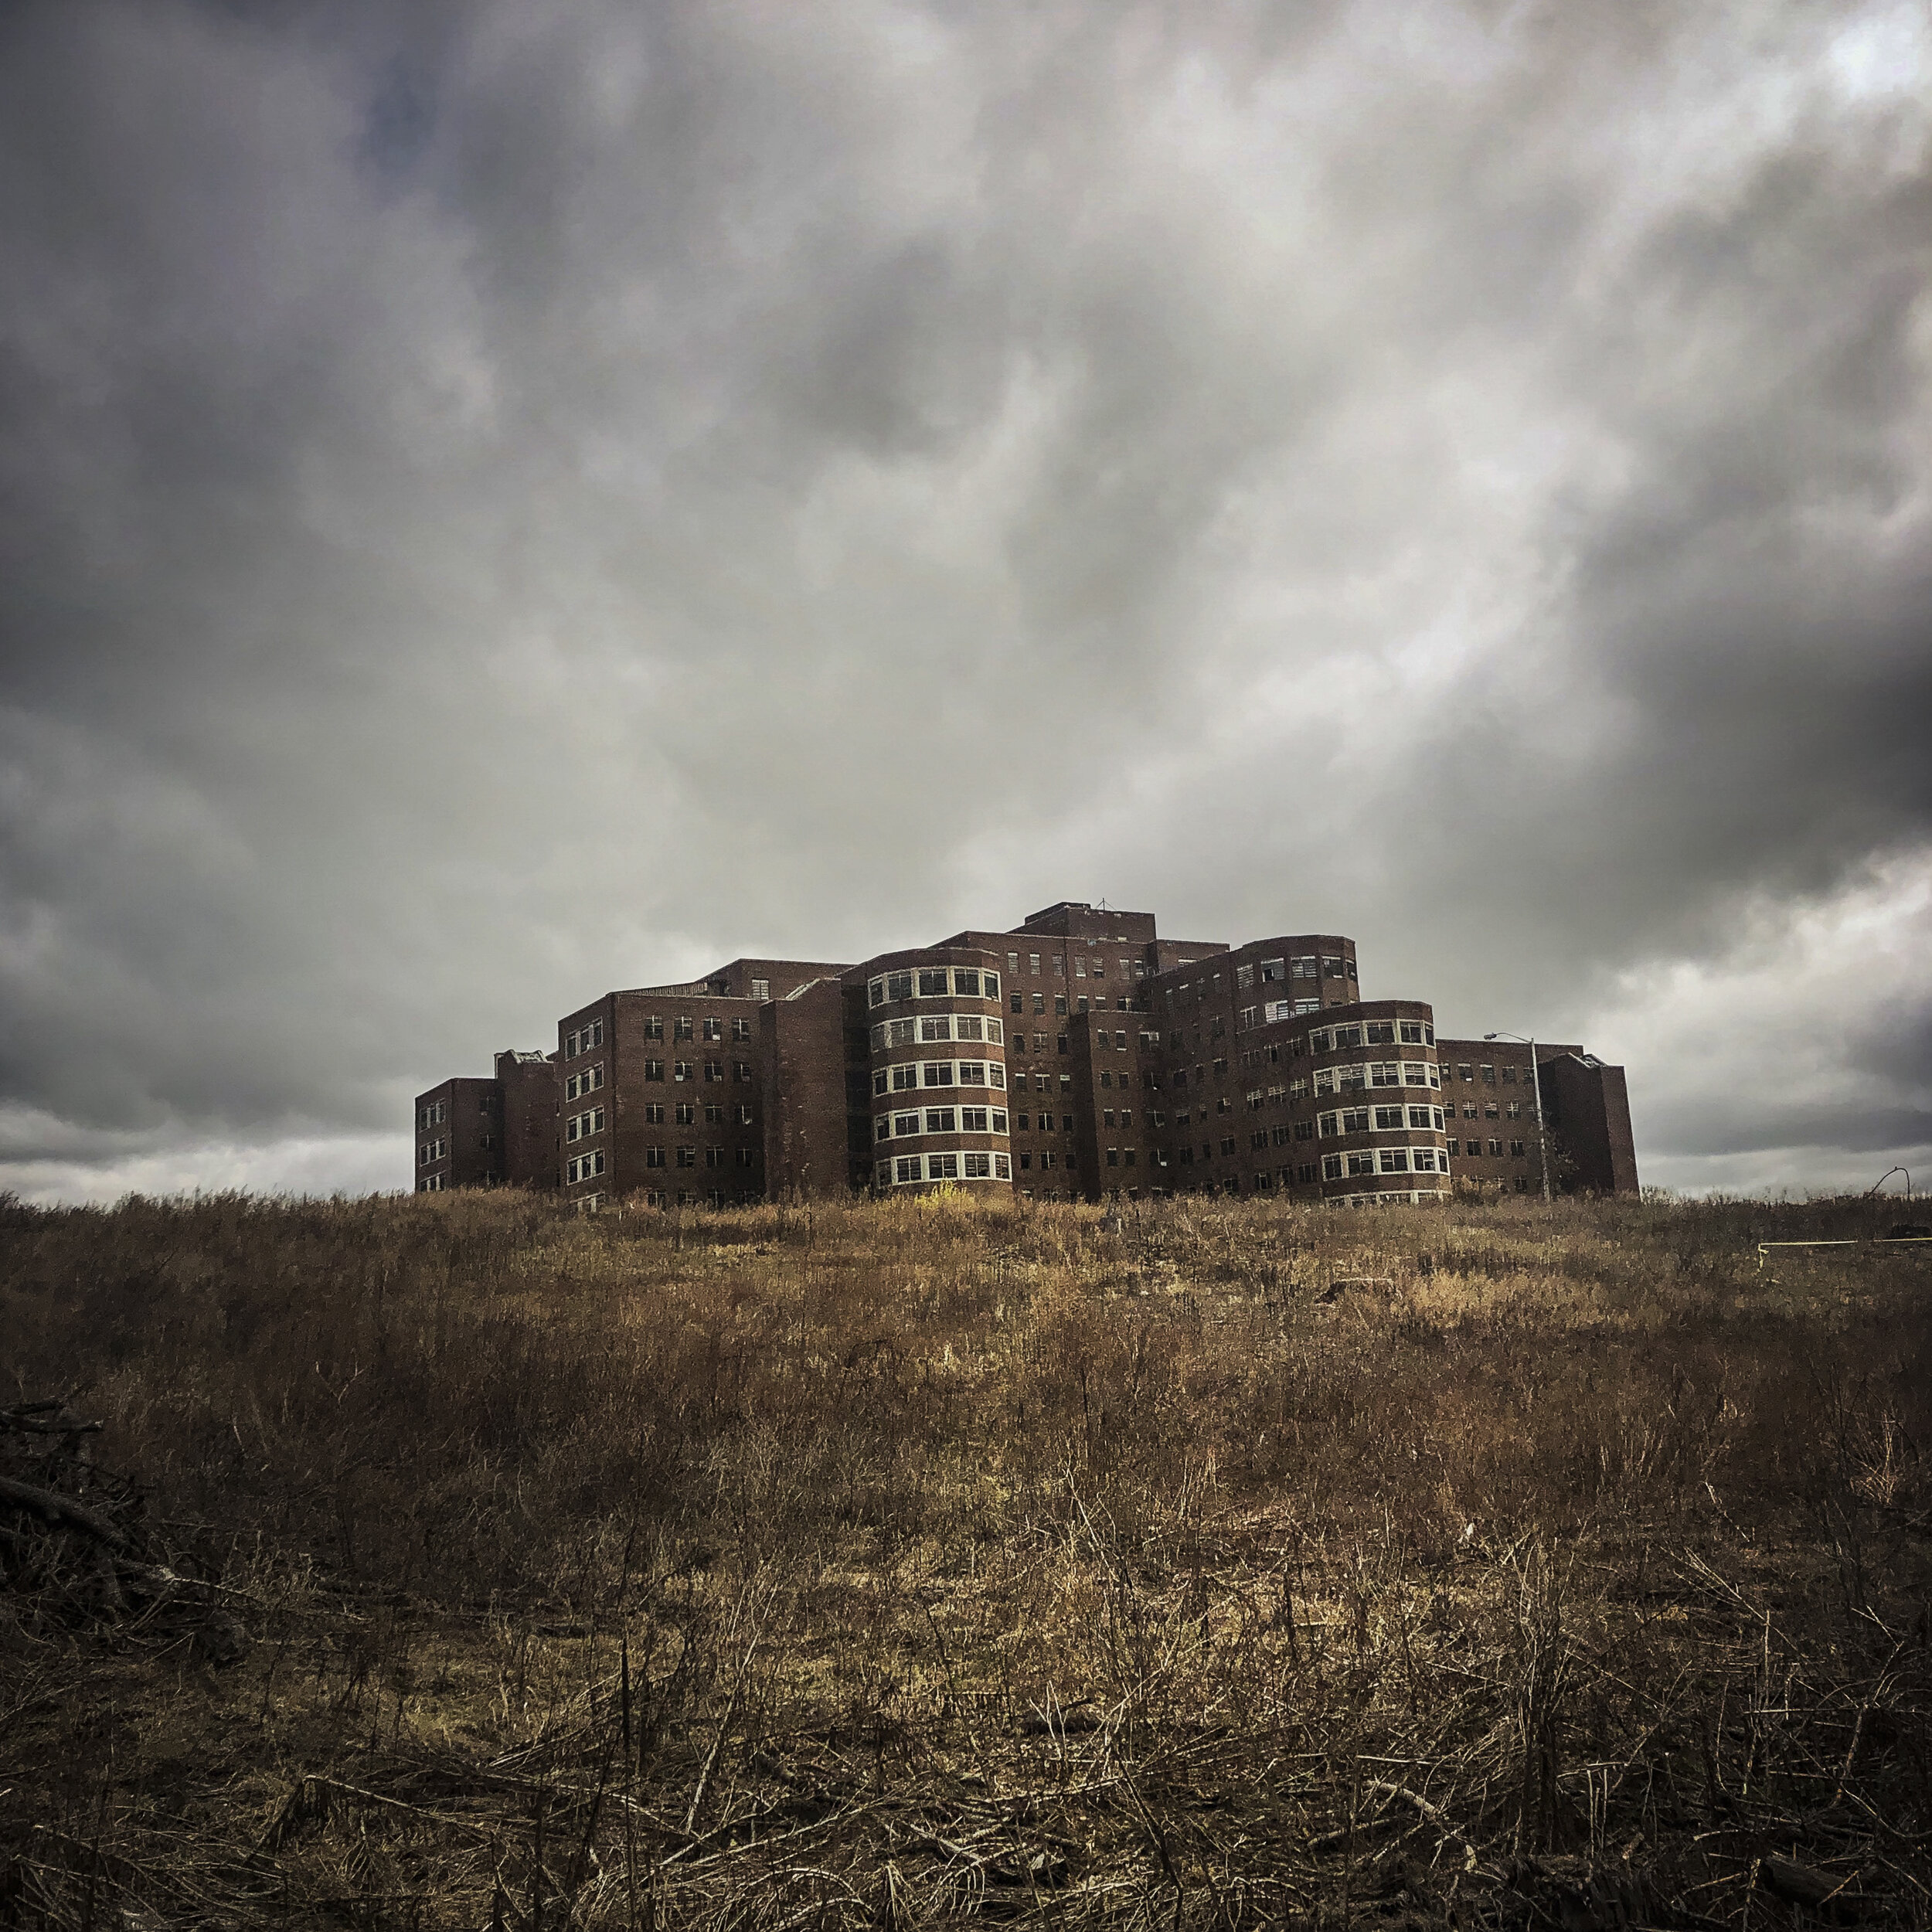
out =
column 1301, row 966
column 431, row 1151
column 1378, row 1120
column 1488, row 1109
column 686, row 1112
column 906, row 1168
column 713, row 1156
column 580, row 1127
column 1250, row 1017
column 584, row 1167
column 432, row 1184
column 1046, row 1122
column 935, row 1026
column 909, row 1074
column 685, row 1070
column 1372, row 1032
column 1517, row 1149
column 1085, row 966
column 589, row 1080
column 940, row 1119
column 583, row 1040
column 1352, row 1080
column 932, row 982
column 708, row 1027
column 1385, row 1160
column 1488, row 1074
column 434, row 1115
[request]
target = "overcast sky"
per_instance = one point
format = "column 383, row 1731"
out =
column 501, row 500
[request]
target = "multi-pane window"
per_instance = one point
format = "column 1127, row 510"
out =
column 761, row 989
column 681, row 1027
column 714, row 1069
column 741, row 1028
column 681, row 1069
column 654, row 1069
column 654, row 1157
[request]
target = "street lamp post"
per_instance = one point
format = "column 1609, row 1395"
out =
column 1536, row 1088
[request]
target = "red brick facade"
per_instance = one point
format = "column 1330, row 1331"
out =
column 1079, row 1055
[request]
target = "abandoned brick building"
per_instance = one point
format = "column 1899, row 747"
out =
column 1077, row 1056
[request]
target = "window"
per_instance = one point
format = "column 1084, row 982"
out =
column 1418, row 1073
column 939, row 1073
column 681, row 1071
column 1489, row 1110
column 939, row 1120
column 1384, row 1074
column 714, row 1113
column 1516, row 1150
column 979, row 1166
column 999, row 1121
column 714, row 1157
column 1355, row 1120
column 761, row 989
column 942, row 1167
column 1002, row 1167
column 1018, row 1002
column 1059, row 965
column 1331, row 1167
column 1425, row 1160
column 904, row 1077
column 686, row 1112
column 906, row 1168
column 741, row 1070
column 967, row 981
column 1394, row 1160
column 1304, row 1130
column 1455, row 1146
column 713, row 1029
column 1465, row 1071
column 994, row 1031
column 714, row 1069
column 967, row 1027
column 932, row 982
column 936, row 1026
column 687, row 1156
column 743, row 1113
column 1331, row 966
column 905, row 1124
column 1495, row 1150
column 899, row 986
column 681, row 1027
column 1012, row 962
column 1489, row 1075
column 1509, row 1077
column 1419, row 1117
column 654, row 1069
column 1227, row 1145
column 1381, row 1032
column 1514, row 1110
column 1412, row 1032
column 741, row 1028
column 875, row 993
column 1389, row 1116
column 1362, row 1163
column 972, row 1074
column 1079, row 966
column 654, row 1157
column 1468, row 1110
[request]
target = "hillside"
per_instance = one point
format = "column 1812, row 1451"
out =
column 456, row 1561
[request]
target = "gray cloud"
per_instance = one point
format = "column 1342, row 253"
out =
column 503, row 501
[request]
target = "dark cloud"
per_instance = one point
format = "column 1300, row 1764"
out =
column 502, row 502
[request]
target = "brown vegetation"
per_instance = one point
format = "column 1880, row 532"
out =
column 485, row 1566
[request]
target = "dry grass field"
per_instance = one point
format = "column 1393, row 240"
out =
column 455, row 1561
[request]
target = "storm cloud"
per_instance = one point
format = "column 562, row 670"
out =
column 500, row 501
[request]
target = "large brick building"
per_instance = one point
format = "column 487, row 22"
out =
column 1076, row 1057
